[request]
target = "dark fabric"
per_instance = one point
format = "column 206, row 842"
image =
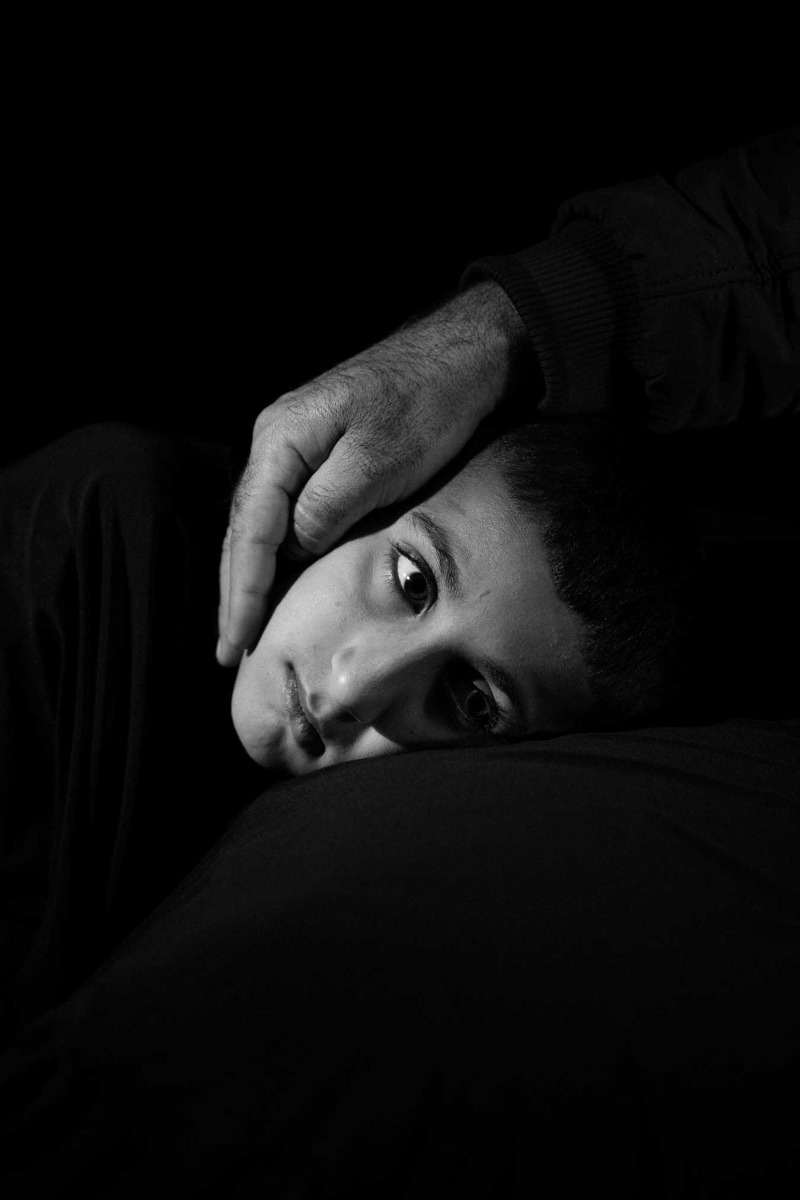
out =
column 676, row 299
column 505, row 973
column 118, row 763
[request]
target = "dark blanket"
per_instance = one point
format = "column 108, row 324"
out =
column 541, row 969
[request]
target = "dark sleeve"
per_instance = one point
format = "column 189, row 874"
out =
column 684, row 292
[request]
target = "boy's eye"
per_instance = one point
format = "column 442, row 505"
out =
column 470, row 702
column 413, row 582
column 477, row 705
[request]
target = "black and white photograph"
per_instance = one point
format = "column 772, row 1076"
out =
column 399, row 641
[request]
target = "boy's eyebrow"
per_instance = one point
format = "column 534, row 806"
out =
column 448, row 569
column 438, row 538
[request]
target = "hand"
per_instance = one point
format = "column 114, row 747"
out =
column 361, row 436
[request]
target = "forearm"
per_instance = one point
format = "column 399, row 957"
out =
column 474, row 344
column 480, row 336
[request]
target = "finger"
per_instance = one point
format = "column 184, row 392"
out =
column 346, row 487
column 227, row 655
column 259, row 521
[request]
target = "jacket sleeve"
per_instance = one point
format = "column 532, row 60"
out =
column 683, row 293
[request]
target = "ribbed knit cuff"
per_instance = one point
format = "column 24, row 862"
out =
column 577, row 295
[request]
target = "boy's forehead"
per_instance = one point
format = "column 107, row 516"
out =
column 477, row 501
column 486, row 536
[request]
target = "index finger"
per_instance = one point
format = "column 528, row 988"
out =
column 259, row 520
column 275, row 473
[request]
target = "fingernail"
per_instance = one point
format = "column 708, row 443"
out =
column 219, row 649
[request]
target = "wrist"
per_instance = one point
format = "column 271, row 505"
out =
column 481, row 340
column 473, row 346
column 492, row 319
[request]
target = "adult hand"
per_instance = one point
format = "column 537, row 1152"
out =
column 364, row 435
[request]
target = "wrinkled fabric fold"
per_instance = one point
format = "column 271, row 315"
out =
column 109, row 538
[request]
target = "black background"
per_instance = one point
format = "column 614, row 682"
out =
column 201, row 222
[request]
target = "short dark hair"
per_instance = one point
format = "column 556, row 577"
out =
column 623, row 551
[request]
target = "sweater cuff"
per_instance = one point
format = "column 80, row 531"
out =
column 577, row 296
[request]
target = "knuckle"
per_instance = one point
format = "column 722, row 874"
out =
column 263, row 420
column 293, row 437
column 317, row 510
column 380, row 456
column 314, row 403
column 250, row 589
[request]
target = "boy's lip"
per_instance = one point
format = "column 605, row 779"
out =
column 303, row 730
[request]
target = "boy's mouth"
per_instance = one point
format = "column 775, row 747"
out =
column 304, row 733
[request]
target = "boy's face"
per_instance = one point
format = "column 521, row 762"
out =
column 439, row 626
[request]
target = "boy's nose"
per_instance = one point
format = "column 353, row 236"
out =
column 365, row 680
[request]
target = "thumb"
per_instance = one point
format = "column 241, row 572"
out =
column 338, row 494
